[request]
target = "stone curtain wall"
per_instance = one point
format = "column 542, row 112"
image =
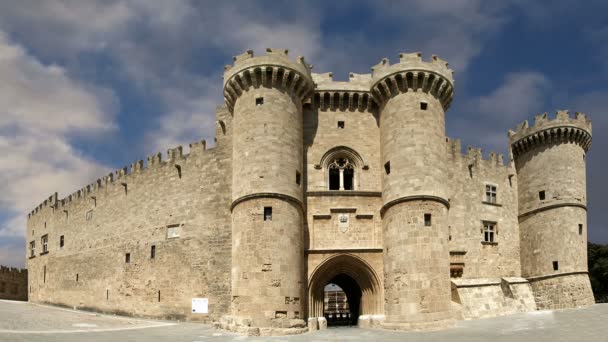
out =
column 188, row 194
column 13, row 283
column 468, row 175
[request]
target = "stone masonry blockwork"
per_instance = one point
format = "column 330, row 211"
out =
column 311, row 182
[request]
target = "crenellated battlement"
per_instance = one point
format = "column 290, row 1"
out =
column 563, row 128
column 122, row 176
column 7, row 272
column 413, row 74
column 274, row 69
column 474, row 155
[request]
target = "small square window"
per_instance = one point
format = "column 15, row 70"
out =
column 128, row 258
column 387, row 167
column 555, row 266
column 259, row 101
column 298, row 178
column 489, row 230
column 341, row 124
column 541, row 195
column 61, row 241
column 173, row 231
column 152, row 252
column 424, row 105
column 267, row 213
column 580, row 229
column 427, row 220
column 490, row 193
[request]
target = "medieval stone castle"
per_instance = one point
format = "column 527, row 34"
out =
column 313, row 181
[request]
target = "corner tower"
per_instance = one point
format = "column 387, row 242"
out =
column 550, row 162
column 413, row 96
column 265, row 96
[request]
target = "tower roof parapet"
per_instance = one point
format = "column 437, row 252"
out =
column 413, row 74
column 353, row 94
column 563, row 128
column 274, row 69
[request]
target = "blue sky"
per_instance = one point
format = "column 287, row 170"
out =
column 90, row 86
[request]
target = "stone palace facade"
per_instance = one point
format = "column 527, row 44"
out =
column 312, row 181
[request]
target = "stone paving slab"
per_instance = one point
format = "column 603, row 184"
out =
column 29, row 318
column 29, row 322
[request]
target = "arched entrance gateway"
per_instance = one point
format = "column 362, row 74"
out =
column 359, row 282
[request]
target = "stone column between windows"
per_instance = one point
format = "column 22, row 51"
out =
column 341, row 179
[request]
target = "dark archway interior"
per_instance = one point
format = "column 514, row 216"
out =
column 353, row 295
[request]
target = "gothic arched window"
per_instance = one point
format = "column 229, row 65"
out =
column 342, row 166
column 341, row 174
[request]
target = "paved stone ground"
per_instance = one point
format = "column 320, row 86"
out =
column 21, row 321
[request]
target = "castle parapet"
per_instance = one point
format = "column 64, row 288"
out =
column 413, row 74
column 274, row 69
column 120, row 177
column 352, row 95
column 563, row 128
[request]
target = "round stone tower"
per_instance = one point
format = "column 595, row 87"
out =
column 550, row 162
column 413, row 96
column 265, row 95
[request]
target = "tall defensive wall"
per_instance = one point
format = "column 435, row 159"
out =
column 13, row 283
column 413, row 96
column 144, row 240
column 265, row 95
column 550, row 161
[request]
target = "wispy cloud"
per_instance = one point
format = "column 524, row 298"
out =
column 485, row 119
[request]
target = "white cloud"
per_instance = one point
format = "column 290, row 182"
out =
column 40, row 108
column 520, row 96
column 488, row 117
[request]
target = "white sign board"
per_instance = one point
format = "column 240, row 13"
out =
column 200, row 305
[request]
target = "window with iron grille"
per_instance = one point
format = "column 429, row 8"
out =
column 489, row 230
column 490, row 193
column 45, row 243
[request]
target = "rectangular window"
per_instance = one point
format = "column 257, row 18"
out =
column 128, row 258
column 490, row 193
column 541, row 195
column 32, row 249
column 152, row 252
column 61, row 241
column 580, row 229
column 45, row 243
column 387, row 167
column 424, row 105
column 89, row 215
column 489, row 229
column 267, row 213
column 555, row 266
column 427, row 220
column 341, row 124
column 298, row 178
column 76, row 277
column 259, row 101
